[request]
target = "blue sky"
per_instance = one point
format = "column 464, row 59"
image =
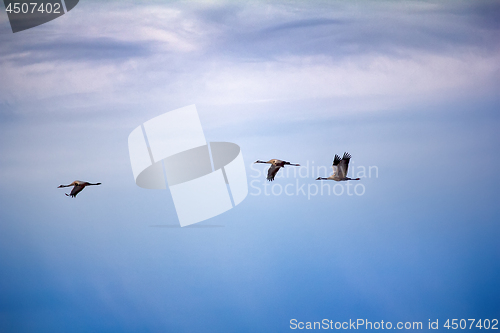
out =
column 408, row 87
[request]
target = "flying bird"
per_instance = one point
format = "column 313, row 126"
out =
column 275, row 166
column 339, row 168
column 78, row 186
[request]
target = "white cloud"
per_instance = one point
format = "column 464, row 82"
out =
column 168, row 27
column 191, row 60
column 357, row 78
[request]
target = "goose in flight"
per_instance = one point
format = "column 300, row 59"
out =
column 340, row 168
column 78, row 187
column 275, row 166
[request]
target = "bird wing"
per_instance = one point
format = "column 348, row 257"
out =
column 77, row 189
column 344, row 165
column 271, row 173
column 336, row 161
column 335, row 171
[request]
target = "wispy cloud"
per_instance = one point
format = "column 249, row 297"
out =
column 224, row 53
